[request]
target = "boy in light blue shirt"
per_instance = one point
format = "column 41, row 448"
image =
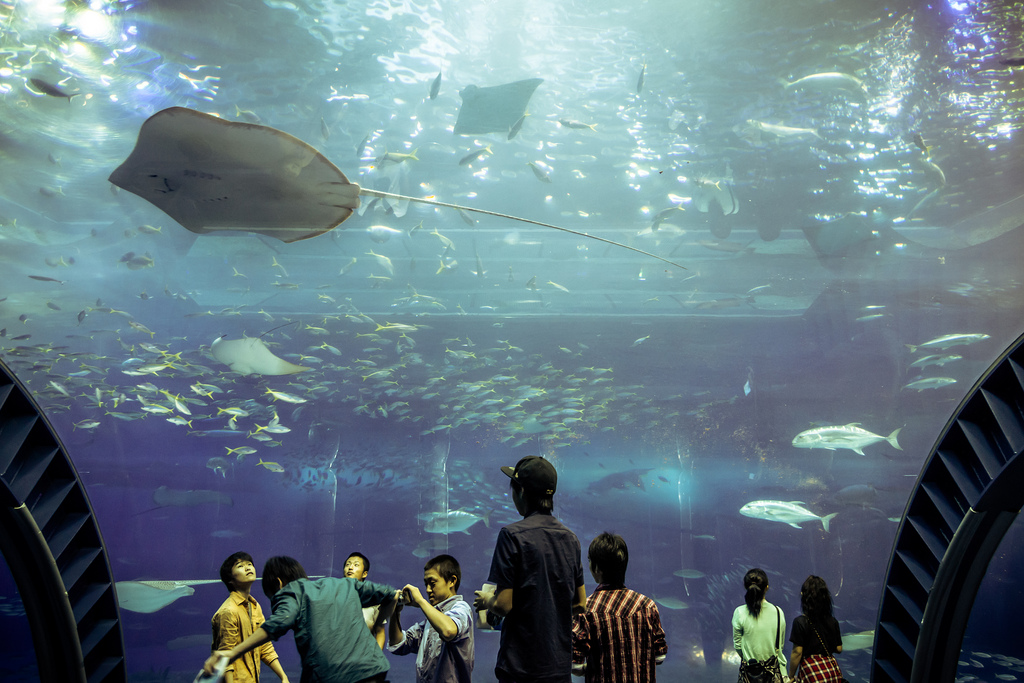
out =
column 444, row 642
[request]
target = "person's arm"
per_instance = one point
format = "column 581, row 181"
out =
column 379, row 630
column 276, row 667
column 442, row 623
column 580, row 645
column 795, row 658
column 371, row 594
column 780, row 654
column 501, row 604
column 387, row 606
column 737, row 634
column 395, row 635
column 482, row 602
column 258, row 637
column 579, row 606
column 659, row 644
column 268, row 655
column 408, row 641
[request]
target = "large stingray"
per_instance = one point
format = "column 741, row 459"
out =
column 495, row 109
column 151, row 596
column 211, row 174
column 250, row 356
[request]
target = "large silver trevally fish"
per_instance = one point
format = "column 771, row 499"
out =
column 791, row 513
column 848, row 436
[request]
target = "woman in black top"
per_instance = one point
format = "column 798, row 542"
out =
column 815, row 635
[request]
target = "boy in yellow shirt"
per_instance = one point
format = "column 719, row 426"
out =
column 237, row 618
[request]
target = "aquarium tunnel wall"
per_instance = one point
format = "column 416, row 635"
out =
column 739, row 266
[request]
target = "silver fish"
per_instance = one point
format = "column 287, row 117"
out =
column 785, row 132
column 947, row 340
column 930, row 383
column 847, row 436
column 829, row 79
column 792, row 513
column 935, row 360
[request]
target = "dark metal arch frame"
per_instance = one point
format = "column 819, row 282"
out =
column 52, row 544
column 967, row 496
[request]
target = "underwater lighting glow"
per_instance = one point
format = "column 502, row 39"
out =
column 47, row 12
column 93, row 25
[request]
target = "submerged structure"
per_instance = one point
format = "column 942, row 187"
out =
column 805, row 359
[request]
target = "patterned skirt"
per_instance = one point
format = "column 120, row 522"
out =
column 819, row 669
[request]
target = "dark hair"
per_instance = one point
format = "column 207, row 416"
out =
column 756, row 583
column 229, row 564
column 609, row 554
column 281, row 567
column 447, row 567
column 535, row 502
column 364, row 558
column 815, row 599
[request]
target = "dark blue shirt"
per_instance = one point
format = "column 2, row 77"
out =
column 539, row 559
column 330, row 634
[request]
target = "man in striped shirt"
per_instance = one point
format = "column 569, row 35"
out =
column 619, row 639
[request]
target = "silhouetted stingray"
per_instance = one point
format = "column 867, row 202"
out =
column 210, row 174
column 619, row 480
column 495, row 109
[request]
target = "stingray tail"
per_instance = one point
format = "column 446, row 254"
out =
column 294, row 322
column 433, row 202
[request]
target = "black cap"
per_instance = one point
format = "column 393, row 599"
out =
column 534, row 474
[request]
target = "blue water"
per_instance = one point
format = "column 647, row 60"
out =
column 815, row 259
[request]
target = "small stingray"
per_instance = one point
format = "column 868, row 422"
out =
column 152, row 596
column 495, row 109
column 211, row 174
column 250, row 356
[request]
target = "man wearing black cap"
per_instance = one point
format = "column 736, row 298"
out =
column 538, row 576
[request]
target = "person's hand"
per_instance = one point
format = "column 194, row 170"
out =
column 211, row 663
column 412, row 594
column 482, row 601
